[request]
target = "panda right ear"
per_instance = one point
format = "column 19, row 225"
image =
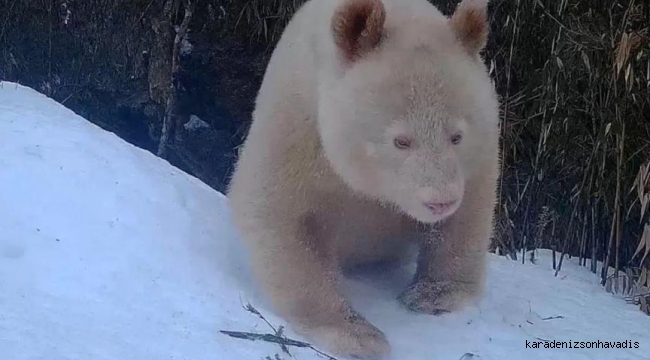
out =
column 357, row 27
column 469, row 23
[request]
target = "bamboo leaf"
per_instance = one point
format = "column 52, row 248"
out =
column 643, row 277
column 646, row 235
column 622, row 53
column 644, row 204
column 644, row 306
column 585, row 59
column 642, row 242
column 629, row 281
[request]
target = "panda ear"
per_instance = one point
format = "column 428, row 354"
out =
column 357, row 27
column 470, row 24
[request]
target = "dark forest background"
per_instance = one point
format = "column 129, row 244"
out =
column 179, row 78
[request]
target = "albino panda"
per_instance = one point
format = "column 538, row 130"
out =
column 376, row 127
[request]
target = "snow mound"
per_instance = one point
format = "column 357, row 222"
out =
column 108, row 252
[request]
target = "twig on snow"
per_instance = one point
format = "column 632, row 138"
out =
column 277, row 338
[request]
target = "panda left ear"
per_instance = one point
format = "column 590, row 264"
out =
column 357, row 27
column 470, row 24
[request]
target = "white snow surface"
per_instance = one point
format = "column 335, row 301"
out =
column 108, row 252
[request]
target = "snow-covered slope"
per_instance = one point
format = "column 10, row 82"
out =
column 107, row 252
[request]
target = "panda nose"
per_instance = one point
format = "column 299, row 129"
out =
column 440, row 199
column 440, row 207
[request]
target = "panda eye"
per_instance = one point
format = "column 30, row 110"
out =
column 456, row 138
column 402, row 142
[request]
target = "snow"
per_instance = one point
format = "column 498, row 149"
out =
column 108, row 252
